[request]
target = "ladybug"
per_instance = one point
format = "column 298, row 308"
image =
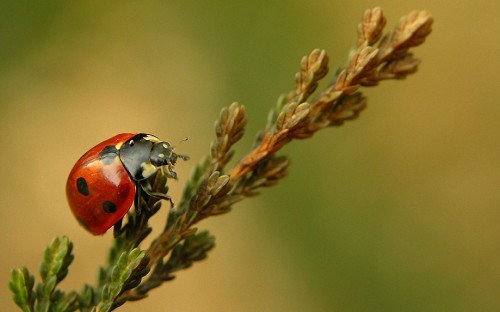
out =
column 105, row 181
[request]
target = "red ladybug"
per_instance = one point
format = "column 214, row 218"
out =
column 103, row 184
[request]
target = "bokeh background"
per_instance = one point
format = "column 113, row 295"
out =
column 397, row 211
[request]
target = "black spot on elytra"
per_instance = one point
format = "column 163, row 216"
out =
column 108, row 154
column 82, row 187
column 109, row 207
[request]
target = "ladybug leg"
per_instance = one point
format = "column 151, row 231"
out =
column 171, row 171
column 146, row 187
column 117, row 228
column 137, row 201
column 171, row 163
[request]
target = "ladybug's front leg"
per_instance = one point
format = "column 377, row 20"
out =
column 171, row 163
column 137, row 201
column 146, row 187
column 118, row 229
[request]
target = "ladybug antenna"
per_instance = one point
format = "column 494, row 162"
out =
column 183, row 157
column 180, row 142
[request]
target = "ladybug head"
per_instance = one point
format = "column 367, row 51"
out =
column 162, row 154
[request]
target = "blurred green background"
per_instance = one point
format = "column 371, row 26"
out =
column 397, row 211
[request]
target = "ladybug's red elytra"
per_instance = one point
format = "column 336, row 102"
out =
column 102, row 185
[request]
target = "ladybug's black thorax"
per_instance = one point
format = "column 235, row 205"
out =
column 135, row 155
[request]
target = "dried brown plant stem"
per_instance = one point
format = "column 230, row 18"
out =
column 368, row 64
column 211, row 191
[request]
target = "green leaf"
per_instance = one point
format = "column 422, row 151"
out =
column 53, row 269
column 57, row 258
column 120, row 275
column 66, row 303
column 21, row 285
column 194, row 248
column 87, row 298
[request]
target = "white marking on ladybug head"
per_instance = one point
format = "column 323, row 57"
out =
column 161, row 155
